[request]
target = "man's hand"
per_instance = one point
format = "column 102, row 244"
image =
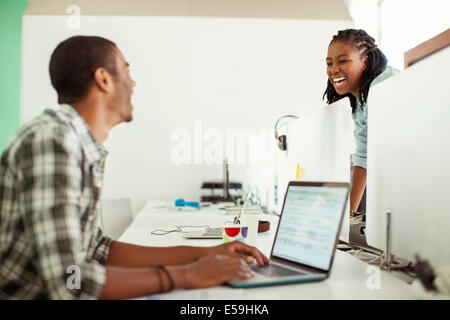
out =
column 210, row 271
column 249, row 253
column 218, row 265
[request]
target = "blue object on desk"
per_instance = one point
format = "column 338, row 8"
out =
column 182, row 203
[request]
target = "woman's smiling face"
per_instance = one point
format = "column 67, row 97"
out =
column 345, row 67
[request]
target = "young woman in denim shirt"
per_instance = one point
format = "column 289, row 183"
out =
column 354, row 64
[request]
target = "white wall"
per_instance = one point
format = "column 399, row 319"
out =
column 366, row 15
column 408, row 161
column 321, row 143
column 407, row 23
column 228, row 73
column 400, row 25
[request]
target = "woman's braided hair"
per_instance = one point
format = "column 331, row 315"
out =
column 376, row 63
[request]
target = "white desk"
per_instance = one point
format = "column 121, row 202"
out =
column 348, row 280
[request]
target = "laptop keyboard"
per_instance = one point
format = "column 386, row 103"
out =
column 273, row 270
column 213, row 232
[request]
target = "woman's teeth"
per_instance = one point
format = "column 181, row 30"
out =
column 337, row 80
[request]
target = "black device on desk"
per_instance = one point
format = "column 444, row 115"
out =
column 224, row 186
column 218, row 185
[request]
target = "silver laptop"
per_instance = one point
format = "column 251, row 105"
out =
column 306, row 237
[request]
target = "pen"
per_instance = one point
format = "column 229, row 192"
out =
column 237, row 219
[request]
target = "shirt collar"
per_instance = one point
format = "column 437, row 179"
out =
column 387, row 72
column 94, row 152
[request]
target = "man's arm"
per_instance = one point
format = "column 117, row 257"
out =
column 123, row 283
column 134, row 256
column 358, row 186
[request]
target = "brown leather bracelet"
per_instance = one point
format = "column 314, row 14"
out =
column 168, row 276
column 161, row 286
column 159, row 267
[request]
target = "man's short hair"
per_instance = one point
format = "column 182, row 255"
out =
column 74, row 62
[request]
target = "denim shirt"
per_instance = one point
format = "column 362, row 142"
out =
column 359, row 158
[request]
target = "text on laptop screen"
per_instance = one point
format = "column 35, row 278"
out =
column 309, row 224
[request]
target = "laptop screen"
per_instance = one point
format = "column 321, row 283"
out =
column 309, row 224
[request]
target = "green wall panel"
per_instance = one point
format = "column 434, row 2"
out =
column 10, row 47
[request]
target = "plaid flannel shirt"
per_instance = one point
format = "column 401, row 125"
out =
column 51, row 244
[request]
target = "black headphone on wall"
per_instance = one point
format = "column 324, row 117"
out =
column 282, row 139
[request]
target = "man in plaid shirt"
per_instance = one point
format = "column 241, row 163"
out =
column 51, row 173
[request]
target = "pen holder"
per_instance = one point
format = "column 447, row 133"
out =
column 234, row 232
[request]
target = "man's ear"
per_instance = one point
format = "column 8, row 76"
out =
column 103, row 79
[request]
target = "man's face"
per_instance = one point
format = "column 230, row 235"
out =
column 345, row 67
column 123, row 89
